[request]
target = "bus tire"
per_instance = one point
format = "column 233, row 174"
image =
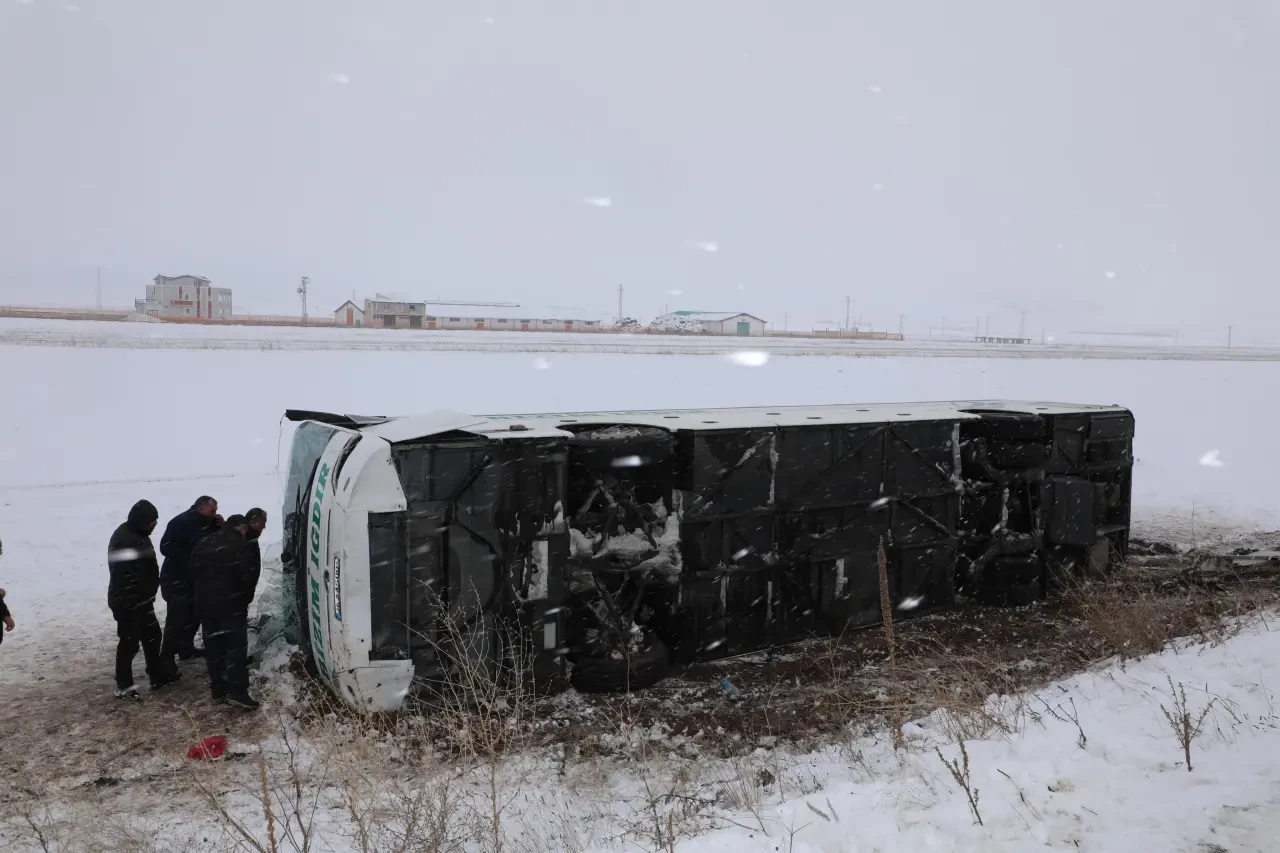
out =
column 609, row 675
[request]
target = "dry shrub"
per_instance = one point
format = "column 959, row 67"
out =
column 975, row 695
column 1185, row 722
column 1131, row 621
column 86, row 820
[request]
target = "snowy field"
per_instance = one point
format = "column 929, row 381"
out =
column 87, row 430
column 71, row 333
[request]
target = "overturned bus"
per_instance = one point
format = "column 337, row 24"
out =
column 619, row 543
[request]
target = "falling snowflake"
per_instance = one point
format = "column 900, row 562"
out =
column 911, row 602
column 706, row 246
column 1211, row 459
column 875, row 90
column 675, row 292
column 880, row 503
column 627, row 462
column 1110, row 274
column 340, row 78
column 541, row 363
column 750, row 359
column 598, row 201
column 877, row 187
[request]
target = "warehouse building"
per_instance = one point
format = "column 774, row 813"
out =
column 514, row 324
column 716, row 322
column 190, row 297
column 383, row 313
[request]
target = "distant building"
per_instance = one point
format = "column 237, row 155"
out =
column 388, row 314
column 514, row 324
column 719, row 322
column 185, row 297
column 348, row 314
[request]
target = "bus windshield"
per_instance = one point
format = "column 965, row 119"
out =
column 309, row 443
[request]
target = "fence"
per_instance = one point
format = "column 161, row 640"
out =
column 838, row 334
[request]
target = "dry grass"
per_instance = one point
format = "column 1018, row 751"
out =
column 1131, row 621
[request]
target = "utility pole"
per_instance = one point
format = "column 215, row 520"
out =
column 302, row 292
column 1228, row 332
column 619, row 302
column 847, row 300
column 100, row 288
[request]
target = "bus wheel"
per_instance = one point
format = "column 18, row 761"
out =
column 619, row 673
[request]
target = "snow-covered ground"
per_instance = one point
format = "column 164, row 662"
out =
column 1118, row 782
column 86, row 431
column 116, row 335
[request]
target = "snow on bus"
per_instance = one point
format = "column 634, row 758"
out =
column 614, row 545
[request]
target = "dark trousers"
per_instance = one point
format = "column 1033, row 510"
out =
column 134, row 628
column 180, row 625
column 226, row 645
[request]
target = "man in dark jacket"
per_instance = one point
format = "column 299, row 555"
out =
column 180, row 537
column 224, row 573
column 256, row 518
column 131, row 595
column 5, row 616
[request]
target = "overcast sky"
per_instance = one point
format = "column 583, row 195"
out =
column 1111, row 164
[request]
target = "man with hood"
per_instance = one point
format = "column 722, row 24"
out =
column 224, row 574
column 180, row 537
column 131, row 595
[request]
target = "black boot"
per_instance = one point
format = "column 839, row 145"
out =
column 166, row 679
column 243, row 701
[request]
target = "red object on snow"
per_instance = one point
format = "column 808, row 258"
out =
column 209, row 749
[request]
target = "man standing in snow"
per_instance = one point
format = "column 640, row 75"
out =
column 257, row 520
column 180, row 620
column 224, row 575
column 5, row 616
column 131, row 595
